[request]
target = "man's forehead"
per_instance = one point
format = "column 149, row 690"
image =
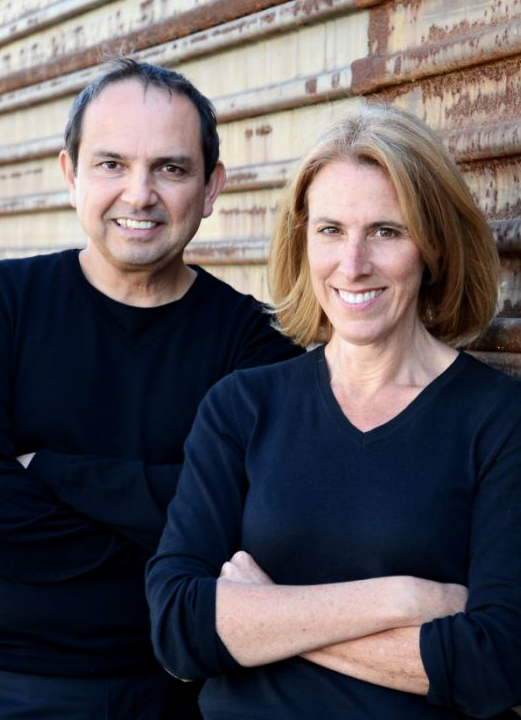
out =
column 126, row 113
column 133, row 90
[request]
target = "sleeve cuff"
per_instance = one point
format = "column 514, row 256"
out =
column 49, row 467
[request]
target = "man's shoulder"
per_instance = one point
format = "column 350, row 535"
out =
column 35, row 279
column 222, row 291
column 214, row 301
column 35, row 263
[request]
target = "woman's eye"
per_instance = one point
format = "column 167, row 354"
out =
column 328, row 230
column 387, row 232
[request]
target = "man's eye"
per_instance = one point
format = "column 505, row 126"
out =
column 173, row 169
column 109, row 165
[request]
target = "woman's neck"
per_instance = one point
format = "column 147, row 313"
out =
column 374, row 383
column 414, row 360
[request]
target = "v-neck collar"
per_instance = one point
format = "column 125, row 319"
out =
column 365, row 437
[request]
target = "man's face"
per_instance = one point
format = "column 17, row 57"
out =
column 139, row 187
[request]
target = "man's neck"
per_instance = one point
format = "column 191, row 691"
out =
column 139, row 287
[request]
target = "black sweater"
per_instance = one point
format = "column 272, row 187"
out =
column 106, row 393
column 275, row 468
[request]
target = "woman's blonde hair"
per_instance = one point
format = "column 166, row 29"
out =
column 458, row 295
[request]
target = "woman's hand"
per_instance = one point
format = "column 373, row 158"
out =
column 242, row 568
column 431, row 600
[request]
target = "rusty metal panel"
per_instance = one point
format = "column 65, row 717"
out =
column 43, row 83
column 40, row 15
column 277, row 72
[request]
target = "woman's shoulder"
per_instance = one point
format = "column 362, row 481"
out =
column 480, row 373
column 488, row 389
column 286, row 376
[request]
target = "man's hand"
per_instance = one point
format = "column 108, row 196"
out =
column 242, row 568
column 25, row 459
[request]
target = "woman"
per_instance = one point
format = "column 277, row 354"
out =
column 343, row 476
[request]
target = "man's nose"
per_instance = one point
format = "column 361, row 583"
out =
column 139, row 191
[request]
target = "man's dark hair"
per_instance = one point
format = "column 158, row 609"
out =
column 148, row 75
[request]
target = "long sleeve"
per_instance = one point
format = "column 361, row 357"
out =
column 473, row 660
column 41, row 538
column 127, row 495
column 203, row 530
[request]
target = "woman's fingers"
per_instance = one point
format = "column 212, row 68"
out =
column 242, row 568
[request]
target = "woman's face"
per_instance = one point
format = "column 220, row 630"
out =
column 365, row 269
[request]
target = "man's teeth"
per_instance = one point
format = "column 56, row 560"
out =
column 358, row 298
column 136, row 224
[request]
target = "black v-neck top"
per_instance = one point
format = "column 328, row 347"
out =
column 274, row 467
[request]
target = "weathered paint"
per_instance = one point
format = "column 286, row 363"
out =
column 420, row 38
column 16, row 92
column 42, row 17
column 249, row 251
column 116, row 26
column 70, row 50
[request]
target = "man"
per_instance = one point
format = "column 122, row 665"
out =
column 106, row 353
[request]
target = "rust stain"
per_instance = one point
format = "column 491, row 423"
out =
column 250, row 252
column 379, row 30
column 502, row 335
column 439, row 35
column 147, row 11
column 264, row 130
column 368, row 3
column 240, row 177
column 310, row 86
column 254, row 211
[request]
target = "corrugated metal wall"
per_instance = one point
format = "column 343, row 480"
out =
column 276, row 72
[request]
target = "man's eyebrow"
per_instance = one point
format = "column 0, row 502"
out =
column 107, row 154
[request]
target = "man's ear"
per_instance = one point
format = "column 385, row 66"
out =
column 213, row 187
column 69, row 175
